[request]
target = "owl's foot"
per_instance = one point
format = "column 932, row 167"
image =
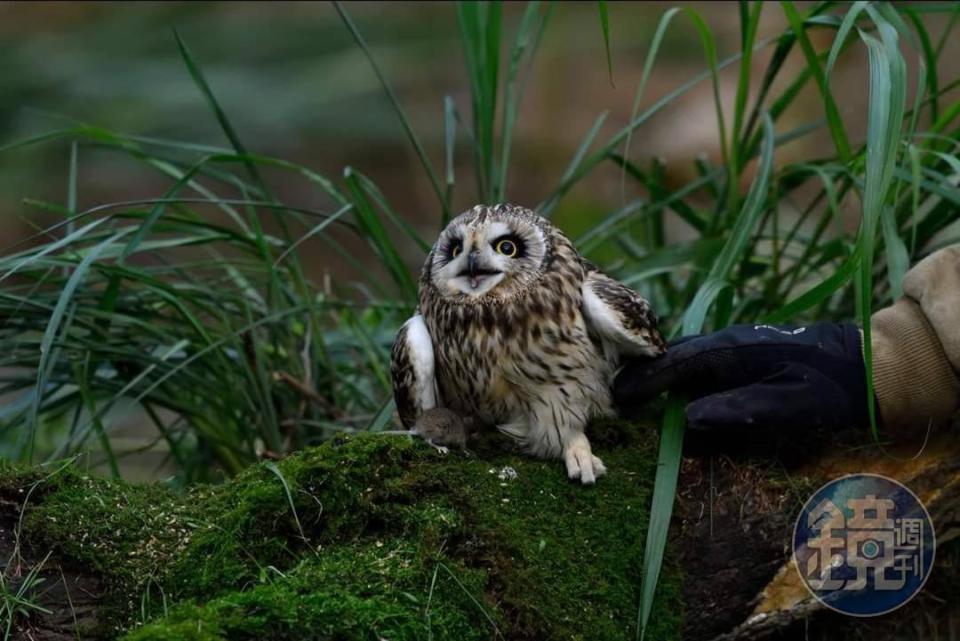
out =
column 598, row 467
column 439, row 448
column 581, row 463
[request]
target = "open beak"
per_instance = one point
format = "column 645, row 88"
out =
column 475, row 271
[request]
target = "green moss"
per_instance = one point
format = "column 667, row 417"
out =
column 386, row 539
column 342, row 490
column 127, row 534
column 350, row 592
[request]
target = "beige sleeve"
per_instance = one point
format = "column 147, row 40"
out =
column 916, row 347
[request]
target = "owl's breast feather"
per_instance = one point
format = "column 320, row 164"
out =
column 500, row 370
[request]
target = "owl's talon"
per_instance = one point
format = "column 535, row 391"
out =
column 598, row 467
column 580, row 463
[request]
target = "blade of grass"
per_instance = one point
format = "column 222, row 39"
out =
column 604, row 152
column 511, row 98
column 537, row 39
column 820, row 293
column 496, row 630
column 749, row 22
column 89, row 402
column 914, row 195
column 397, row 107
column 846, row 25
column 651, row 57
column 50, row 248
column 72, row 184
column 382, row 417
column 468, row 19
column 270, row 465
column 214, row 104
column 399, row 221
column 753, row 207
column 155, row 201
column 661, row 197
column 547, row 207
column 605, row 28
column 450, row 119
column 837, row 130
column 671, row 438
column 377, row 236
column 334, row 217
column 948, row 30
column 784, row 45
column 930, row 65
column 913, row 156
column 887, row 98
column 53, row 327
column 227, row 454
column 491, row 73
column 661, row 511
column 696, row 314
column 480, row 28
column 670, row 257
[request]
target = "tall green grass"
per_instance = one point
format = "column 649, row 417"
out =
column 195, row 306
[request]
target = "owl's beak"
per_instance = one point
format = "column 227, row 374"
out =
column 472, row 267
column 475, row 270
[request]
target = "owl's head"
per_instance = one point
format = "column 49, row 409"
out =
column 489, row 253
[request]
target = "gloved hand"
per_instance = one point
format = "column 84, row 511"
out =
column 758, row 377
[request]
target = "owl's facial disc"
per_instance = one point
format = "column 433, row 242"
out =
column 485, row 257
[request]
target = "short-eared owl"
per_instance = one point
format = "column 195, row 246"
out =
column 515, row 328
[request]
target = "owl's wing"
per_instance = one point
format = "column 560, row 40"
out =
column 620, row 316
column 411, row 367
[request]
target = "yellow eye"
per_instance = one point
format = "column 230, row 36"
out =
column 506, row 247
column 455, row 250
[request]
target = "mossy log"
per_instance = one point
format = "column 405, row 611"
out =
column 380, row 537
column 366, row 537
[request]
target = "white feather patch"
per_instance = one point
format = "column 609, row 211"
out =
column 607, row 323
column 420, row 348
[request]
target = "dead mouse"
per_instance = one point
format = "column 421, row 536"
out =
column 441, row 428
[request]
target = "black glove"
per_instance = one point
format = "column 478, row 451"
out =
column 758, row 377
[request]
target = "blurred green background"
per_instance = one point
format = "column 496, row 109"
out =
column 297, row 87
